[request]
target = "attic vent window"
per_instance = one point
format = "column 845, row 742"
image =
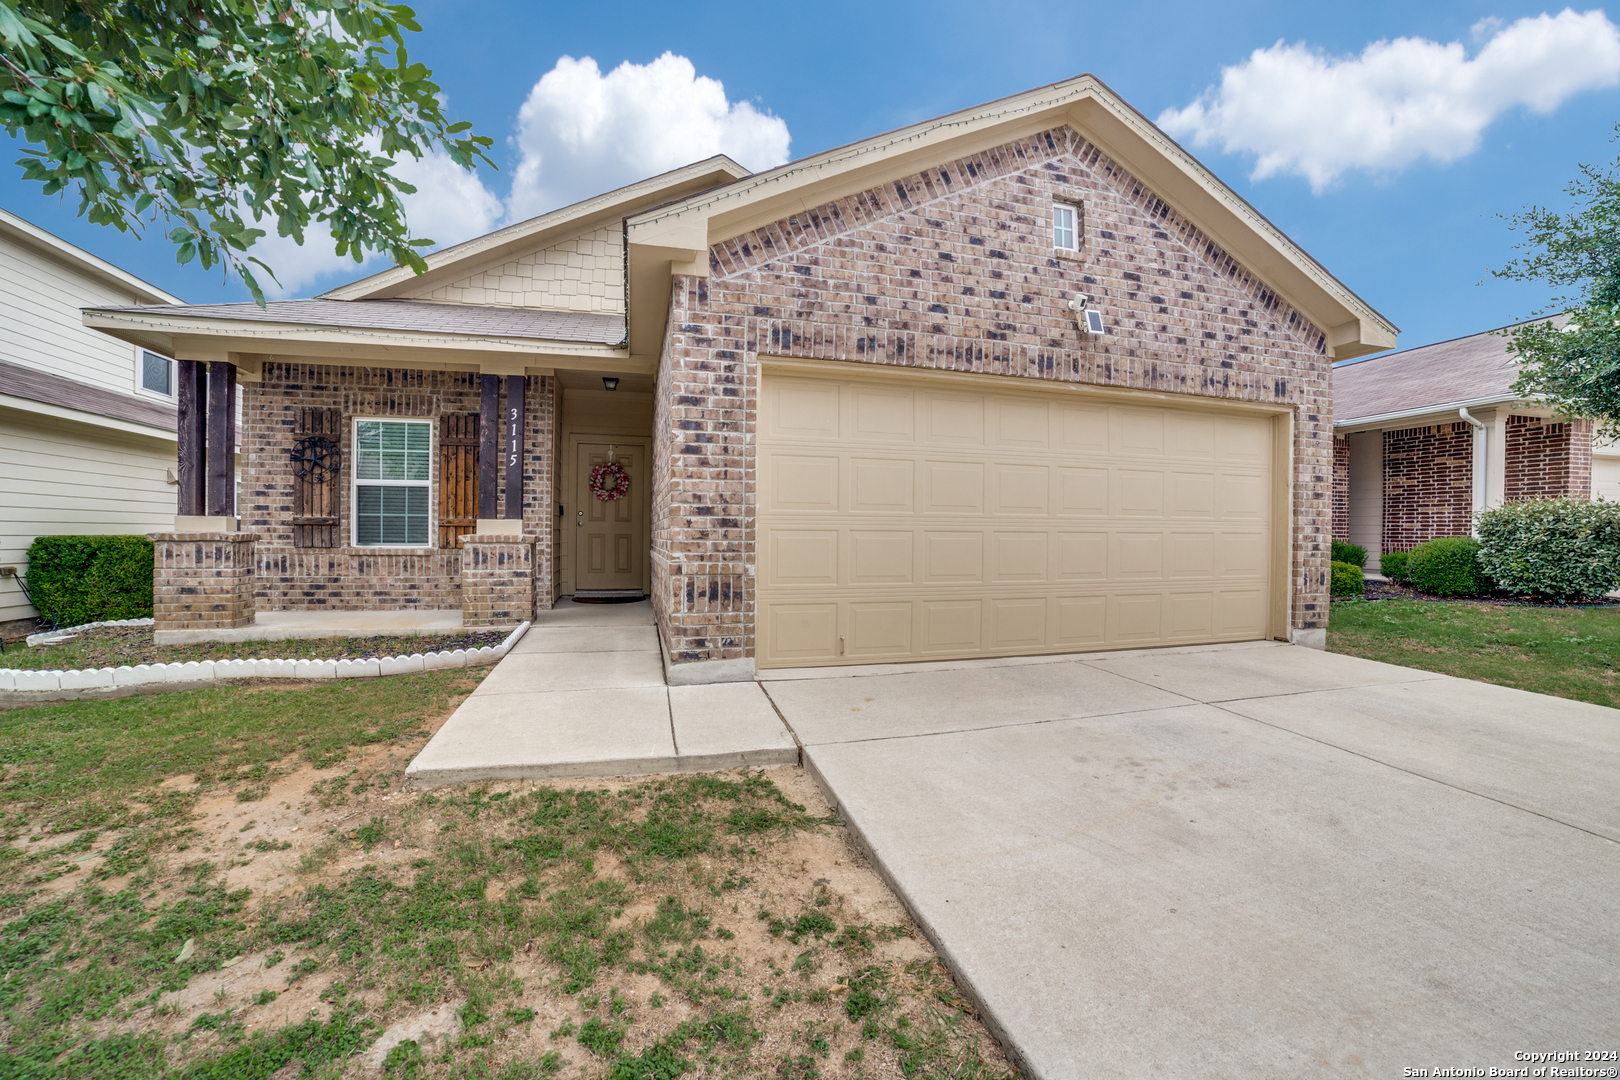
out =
column 1065, row 227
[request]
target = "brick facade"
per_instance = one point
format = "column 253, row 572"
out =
column 202, row 581
column 1428, row 484
column 1548, row 457
column 497, row 580
column 372, row 578
column 953, row 269
column 1341, row 489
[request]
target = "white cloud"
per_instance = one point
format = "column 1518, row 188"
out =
column 581, row 133
column 450, row 205
column 1303, row 113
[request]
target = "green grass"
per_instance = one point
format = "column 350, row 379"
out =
column 77, row 764
column 1566, row 652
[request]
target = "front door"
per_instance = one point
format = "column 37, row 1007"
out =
column 610, row 539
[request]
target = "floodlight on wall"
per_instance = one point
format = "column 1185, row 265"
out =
column 1089, row 321
column 609, row 382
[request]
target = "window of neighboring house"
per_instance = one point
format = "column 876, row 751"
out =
column 157, row 374
column 1065, row 226
column 392, row 478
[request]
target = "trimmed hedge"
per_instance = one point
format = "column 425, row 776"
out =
column 1560, row 549
column 1448, row 566
column 1392, row 564
column 1347, row 579
column 80, row 579
column 1354, row 554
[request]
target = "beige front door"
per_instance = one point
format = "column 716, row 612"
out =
column 609, row 535
column 917, row 517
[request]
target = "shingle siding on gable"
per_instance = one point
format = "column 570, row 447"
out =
column 582, row 274
column 953, row 269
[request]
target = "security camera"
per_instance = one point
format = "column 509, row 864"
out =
column 1089, row 322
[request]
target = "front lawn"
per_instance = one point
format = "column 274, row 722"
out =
column 1567, row 652
column 231, row 884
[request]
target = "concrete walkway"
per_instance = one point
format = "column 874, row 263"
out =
column 1240, row 861
column 583, row 694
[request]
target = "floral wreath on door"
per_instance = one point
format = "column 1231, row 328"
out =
column 609, row 481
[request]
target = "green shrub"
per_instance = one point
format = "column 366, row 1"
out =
column 80, row 579
column 1447, row 566
column 1392, row 564
column 1347, row 579
column 1561, row 549
column 1354, row 554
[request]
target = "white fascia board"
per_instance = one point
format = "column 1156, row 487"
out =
column 57, row 412
column 1447, row 411
column 257, row 337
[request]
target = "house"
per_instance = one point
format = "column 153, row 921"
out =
column 1424, row 438
column 87, row 422
column 859, row 413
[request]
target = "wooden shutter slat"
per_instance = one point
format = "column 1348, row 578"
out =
column 458, row 477
column 317, row 507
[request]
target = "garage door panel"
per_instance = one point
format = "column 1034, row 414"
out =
column 880, row 629
column 913, row 522
column 1021, row 489
column 952, row 419
column 882, row 485
column 954, row 487
column 802, row 556
column 802, row 408
column 952, row 557
column 882, row 557
column 1019, row 557
column 882, row 415
column 803, row 482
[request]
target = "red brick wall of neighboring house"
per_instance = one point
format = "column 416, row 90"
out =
column 1428, row 484
column 953, row 269
column 1546, row 457
column 1341, row 489
column 373, row 578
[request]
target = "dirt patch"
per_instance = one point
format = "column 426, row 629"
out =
column 1389, row 590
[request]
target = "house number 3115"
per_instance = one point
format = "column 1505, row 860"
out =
column 512, row 438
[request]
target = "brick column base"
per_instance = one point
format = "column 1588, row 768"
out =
column 497, row 580
column 202, row 581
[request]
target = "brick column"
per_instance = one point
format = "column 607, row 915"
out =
column 497, row 579
column 202, row 582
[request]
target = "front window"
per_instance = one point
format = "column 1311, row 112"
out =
column 1065, row 235
column 157, row 374
column 392, row 473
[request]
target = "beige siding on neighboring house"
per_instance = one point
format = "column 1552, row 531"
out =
column 1367, row 493
column 1605, row 473
column 585, row 273
column 40, row 325
column 63, row 477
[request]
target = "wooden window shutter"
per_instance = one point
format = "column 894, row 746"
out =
column 317, row 487
column 458, row 477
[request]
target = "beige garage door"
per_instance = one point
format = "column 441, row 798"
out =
column 914, row 518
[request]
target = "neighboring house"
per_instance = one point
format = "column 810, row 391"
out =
column 860, row 419
column 87, row 422
column 1424, row 438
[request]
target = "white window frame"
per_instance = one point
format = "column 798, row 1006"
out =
column 356, row 483
column 1075, row 219
column 140, row 376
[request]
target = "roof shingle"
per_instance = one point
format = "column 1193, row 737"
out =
column 1446, row 373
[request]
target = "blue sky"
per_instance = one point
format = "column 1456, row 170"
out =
column 1412, row 235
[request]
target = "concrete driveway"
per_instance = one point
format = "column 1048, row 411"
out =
column 1240, row 861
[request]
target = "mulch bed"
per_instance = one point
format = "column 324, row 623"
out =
column 115, row 646
column 1388, row 590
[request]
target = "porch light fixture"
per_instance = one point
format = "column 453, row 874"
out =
column 610, row 382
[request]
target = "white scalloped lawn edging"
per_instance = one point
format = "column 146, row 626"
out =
column 192, row 672
column 56, row 637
